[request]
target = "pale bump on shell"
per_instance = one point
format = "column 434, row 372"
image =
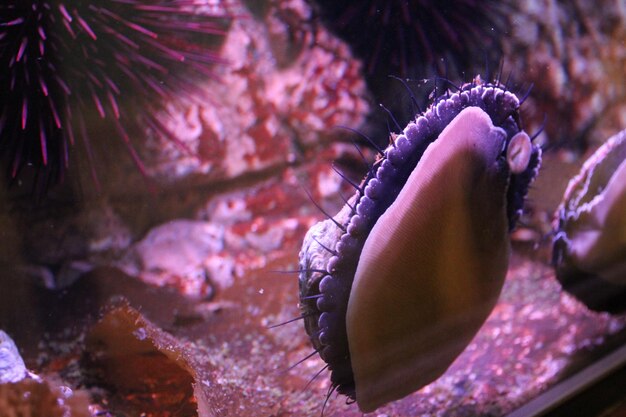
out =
column 330, row 253
column 589, row 251
column 415, row 304
column 518, row 152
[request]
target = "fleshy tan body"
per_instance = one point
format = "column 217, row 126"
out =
column 433, row 266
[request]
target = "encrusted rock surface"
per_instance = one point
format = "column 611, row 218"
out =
column 285, row 85
column 575, row 55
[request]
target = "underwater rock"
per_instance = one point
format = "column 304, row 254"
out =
column 589, row 251
column 42, row 397
column 146, row 369
column 282, row 83
column 574, row 54
column 25, row 394
column 61, row 245
column 173, row 254
column 271, row 103
column 272, row 114
column 12, row 368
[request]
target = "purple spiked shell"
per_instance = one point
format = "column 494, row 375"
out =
column 331, row 250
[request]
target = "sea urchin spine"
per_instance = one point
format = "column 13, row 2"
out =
column 408, row 37
column 63, row 60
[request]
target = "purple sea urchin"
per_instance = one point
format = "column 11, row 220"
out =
column 408, row 37
column 65, row 61
column 466, row 217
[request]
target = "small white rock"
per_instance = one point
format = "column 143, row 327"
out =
column 12, row 368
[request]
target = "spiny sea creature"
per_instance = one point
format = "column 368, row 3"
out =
column 407, row 37
column 394, row 287
column 589, row 251
column 62, row 62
